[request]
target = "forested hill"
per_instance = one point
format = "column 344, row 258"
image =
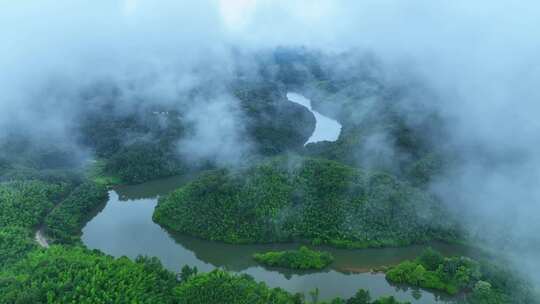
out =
column 293, row 198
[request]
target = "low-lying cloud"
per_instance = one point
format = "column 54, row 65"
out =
column 479, row 58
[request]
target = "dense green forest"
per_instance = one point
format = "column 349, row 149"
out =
column 486, row 283
column 24, row 203
column 65, row 222
column 303, row 259
column 15, row 243
column 77, row 275
column 135, row 146
column 432, row 270
column 23, row 207
column 292, row 198
column 68, row 275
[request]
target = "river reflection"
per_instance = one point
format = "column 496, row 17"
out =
column 125, row 228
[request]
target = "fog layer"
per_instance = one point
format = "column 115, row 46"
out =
column 479, row 59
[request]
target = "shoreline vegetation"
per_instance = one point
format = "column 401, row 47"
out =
column 301, row 259
column 97, row 173
column 480, row 281
column 76, row 274
column 64, row 223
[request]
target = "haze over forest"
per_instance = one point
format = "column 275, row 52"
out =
column 453, row 83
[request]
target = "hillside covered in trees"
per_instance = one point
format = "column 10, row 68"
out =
column 320, row 201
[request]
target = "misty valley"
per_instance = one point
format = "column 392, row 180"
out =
column 184, row 153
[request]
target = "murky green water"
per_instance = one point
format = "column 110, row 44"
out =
column 125, row 227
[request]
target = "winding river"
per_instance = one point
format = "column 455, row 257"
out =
column 125, row 228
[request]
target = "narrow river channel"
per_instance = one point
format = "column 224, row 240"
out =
column 326, row 129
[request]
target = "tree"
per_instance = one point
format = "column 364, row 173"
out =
column 187, row 272
column 361, row 297
column 431, row 259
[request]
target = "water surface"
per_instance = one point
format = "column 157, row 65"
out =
column 326, row 129
column 125, row 227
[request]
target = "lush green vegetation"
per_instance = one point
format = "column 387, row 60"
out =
column 65, row 222
column 142, row 162
column 432, row 270
column 60, row 275
column 15, row 244
column 304, row 199
column 74, row 274
column 363, row 297
column 133, row 146
column 77, row 275
column 219, row 286
column 25, row 203
column 483, row 282
column 502, row 283
column 303, row 258
column 97, row 173
column 23, row 206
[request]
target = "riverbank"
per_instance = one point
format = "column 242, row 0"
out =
column 125, row 228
